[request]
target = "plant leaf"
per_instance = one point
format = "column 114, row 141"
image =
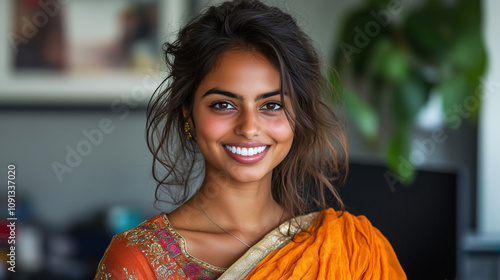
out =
column 410, row 95
column 398, row 155
column 388, row 61
column 454, row 91
column 361, row 113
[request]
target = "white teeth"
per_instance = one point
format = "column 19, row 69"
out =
column 247, row 152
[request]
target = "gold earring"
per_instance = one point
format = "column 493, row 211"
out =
column 187, row 129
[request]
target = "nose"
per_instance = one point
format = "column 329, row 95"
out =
column 248, row 124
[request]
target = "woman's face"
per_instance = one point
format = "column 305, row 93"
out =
column 241, row 127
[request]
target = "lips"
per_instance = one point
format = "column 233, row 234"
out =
column 247, row 153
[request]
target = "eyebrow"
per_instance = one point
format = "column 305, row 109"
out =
column 239, row 97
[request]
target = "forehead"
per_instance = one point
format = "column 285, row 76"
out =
column 242, row 72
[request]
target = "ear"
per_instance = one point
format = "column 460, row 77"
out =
column 187, row 115
column 185, row 111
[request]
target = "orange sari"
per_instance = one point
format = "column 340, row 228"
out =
column 345, row 247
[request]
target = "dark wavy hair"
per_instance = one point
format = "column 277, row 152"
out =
column 317, row 159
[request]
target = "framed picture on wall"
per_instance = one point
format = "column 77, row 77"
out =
column 84, row 51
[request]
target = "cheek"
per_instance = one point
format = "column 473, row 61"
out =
column 281, row 130
column 209, row 126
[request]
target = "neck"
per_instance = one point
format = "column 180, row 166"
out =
column 241, row 206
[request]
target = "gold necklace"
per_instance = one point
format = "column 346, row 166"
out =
column 199, row 206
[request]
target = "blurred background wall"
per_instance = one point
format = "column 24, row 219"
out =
column 489, row 151
column 74, row 128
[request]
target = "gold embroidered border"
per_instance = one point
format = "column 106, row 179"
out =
column 274, row 240
column 183, row 247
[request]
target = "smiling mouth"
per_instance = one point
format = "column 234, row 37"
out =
column 246, row 152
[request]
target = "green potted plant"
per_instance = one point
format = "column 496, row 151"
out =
column 391, row 59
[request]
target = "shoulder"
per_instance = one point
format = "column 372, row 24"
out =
column 353, row 230
column 363, row 244
column 347, row 222
column 138, row 253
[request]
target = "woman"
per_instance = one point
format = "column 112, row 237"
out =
column 245, row 97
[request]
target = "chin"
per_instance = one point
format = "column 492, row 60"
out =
column 249, row 177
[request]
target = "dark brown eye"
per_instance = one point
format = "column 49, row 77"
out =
column 222, row 106
column 272, row 106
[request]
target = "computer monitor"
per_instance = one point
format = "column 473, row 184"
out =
column 419, row 219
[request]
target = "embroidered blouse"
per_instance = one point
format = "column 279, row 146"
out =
column 153, row 250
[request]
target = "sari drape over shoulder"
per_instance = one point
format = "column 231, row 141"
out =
column 343, row 247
